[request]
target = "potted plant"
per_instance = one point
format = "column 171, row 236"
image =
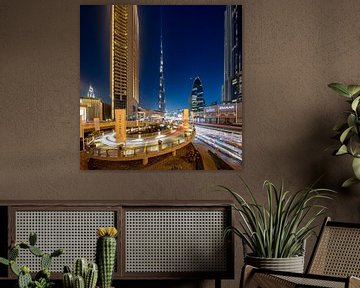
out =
column 349, row 132
column 106, row 254
column 84, row 274
column 276, row 233
column 42, row 278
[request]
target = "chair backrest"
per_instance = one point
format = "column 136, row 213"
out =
column 337, row 251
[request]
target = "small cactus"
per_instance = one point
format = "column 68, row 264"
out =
column 67, row 269
column 45, row 261
column 80, row 268
column 84, row 274
column 91, row 276
column 36, row 251
column 68, row 280
column 24, row 278
column 79, row 282
column 105, row 254
column 13, row 253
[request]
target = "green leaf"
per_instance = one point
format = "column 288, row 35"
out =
column 340, row 88
column 354, row 145
column 351, row 120
column 36, row 251
column 353, row 89
column 25, row 280
column 356, row 167
column 13, row 253
column 349, row 182
column 342, row 150
column 14, row 268
column 4, row 261
column 45, row 261
column 344, row 134
column 355, row 103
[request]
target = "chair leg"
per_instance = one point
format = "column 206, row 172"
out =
column 246, row 273
column 217, row 283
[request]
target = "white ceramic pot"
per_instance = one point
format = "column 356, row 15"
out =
column 291, row 264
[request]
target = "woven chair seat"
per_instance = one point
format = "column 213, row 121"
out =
column 314, row 282
column 335, row 262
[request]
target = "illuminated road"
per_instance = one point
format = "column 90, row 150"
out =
column 108, row 139
column 223, row 140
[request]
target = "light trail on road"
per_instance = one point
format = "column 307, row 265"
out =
column 108, row 140
column 225, row 141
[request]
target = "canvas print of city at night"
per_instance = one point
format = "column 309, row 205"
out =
column 161, row 87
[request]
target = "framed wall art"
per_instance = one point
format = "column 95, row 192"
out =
column 161, row 87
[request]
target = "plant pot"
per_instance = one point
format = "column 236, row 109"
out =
column 291, row 264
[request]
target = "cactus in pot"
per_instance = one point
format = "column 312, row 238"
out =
column 68, row 278
column 106, row 254
column 42, row 278
column 91, row 276
column 79, row 282
column 85, row 275
column 81, row 267
column 25, row 279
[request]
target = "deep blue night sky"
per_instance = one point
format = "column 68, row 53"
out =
column 193, row 42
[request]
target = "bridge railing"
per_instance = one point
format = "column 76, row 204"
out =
column 146, row 151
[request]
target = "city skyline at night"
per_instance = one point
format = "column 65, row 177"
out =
column 193, row 46
column 161, row 87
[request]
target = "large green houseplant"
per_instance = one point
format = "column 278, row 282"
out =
column 348, row 132
column 279, row 229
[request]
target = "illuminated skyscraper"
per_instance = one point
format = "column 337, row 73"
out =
column 232, row 88
column 91, row 92
column 197, row 102
column 161, row 98
column 91, row 106
column 124, row 59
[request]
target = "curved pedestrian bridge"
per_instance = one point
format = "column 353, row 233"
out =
column 105, row 147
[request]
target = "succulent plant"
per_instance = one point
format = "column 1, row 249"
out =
column 79, row 282
column 68, row 278
column 80, row 267
column 42, row 283
column 91, row 276
column 42, row 278
column 85, row 275
column 24, row 277
column 106, row 254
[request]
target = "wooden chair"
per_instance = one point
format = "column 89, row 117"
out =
column 334, row 263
